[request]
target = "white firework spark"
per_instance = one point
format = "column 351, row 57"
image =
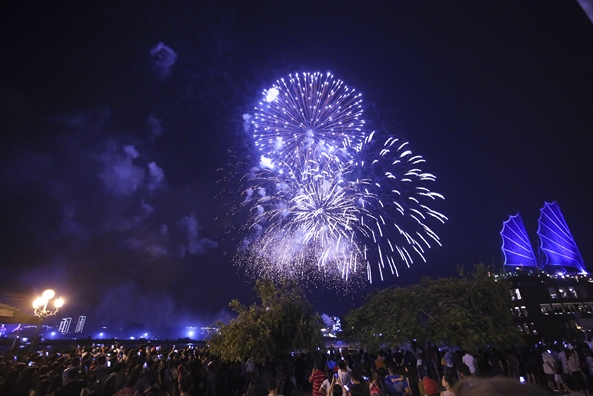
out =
column 297, row 220
column 397, row 214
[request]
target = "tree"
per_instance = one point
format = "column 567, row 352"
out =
column 469, row 311
column 285, row 321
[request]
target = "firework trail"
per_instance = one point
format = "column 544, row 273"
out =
column 327, row 199
column 396, row 209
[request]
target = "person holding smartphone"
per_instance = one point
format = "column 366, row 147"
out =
column 344, row 373
column 329, row 377
column 336, row 387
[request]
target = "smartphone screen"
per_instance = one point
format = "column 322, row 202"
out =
column 336, row 375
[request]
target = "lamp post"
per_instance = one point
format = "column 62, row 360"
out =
column 42, row 311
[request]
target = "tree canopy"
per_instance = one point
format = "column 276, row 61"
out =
column 467, row 311
column 285, row 321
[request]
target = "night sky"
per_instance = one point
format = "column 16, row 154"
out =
column 111, row 154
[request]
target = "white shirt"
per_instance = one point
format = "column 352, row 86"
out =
column 549, row 363
column 573, row 363
column 325, row 386
column 469, row 361
column 344, row 376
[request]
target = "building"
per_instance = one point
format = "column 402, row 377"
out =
column 552, row 307
column 552, row 296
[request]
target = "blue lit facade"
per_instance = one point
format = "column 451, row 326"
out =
column 556, row 241
column 559, row 252
column 516, row 248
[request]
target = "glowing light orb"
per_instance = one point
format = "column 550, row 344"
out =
column 272, row 94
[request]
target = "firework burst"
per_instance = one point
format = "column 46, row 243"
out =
column 296, row 220
column 327, row 199
column 307, row 119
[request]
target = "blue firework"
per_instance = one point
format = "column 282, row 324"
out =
column 397, row 211
column 308, row 117
column 327, row 197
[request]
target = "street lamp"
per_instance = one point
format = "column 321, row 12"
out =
column 42, row 311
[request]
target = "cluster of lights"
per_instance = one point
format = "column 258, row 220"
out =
column 40, row 304
column 541, row 273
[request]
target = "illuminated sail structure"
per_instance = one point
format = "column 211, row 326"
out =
column 516, row 248
column 557, row 246
column 556, row 241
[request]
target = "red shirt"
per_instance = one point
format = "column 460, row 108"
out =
column 316, row 379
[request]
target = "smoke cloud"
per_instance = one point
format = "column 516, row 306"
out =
column 157, row 176
column 194, row 243
column 97, row 203
column 164, row 57
column 154, row 126
column 120, row 175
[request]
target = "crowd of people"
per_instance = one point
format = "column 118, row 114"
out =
column 190, row 371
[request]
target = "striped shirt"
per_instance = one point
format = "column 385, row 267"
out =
column 316, row 379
